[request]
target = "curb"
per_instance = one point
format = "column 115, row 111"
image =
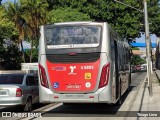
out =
column 142, row 86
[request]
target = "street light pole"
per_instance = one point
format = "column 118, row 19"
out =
column 148, row 48
column 148, row 45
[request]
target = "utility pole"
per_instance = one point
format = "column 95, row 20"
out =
column 148, row 48
column 148, row 43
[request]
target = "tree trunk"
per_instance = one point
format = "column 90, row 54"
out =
column 23, row 54
column 31, row 50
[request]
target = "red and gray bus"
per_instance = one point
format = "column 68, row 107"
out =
column 82, row 62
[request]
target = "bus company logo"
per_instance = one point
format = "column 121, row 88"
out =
column 56, row 85
column 59, row 68
column 87, row 67
column 72, row 68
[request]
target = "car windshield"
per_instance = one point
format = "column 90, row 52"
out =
column 11, row 79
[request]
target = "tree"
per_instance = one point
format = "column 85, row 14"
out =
column 124, row 20
column 7, row 28
column 67, row 14
column 9, row 54
column 34, row 55
column 35, row 15
column 137, row 60
column 154, row 17
column 8, row 32
column 13, row 13
column 11, row 60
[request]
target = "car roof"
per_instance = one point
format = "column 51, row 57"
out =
column 12, row 74
column 18, row 72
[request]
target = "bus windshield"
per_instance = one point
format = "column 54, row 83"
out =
column 72, row 36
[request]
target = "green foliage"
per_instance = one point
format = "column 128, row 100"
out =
column 35, row 14
column 154, row 17
column 137, row 60
column 34, row 55
column 67, row 14
column 134, row 48
column 2, row 53
column 7, row 28
column 21, row 19
column 8, row 31
column 10, row 58
column 12, row 11
column 124, row 20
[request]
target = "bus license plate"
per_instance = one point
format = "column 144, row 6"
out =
column 2, row 92
column 74, row 96
column 73, row 87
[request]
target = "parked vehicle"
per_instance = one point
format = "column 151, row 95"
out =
column 138, row 68
column 143, row 67
column 19, row 89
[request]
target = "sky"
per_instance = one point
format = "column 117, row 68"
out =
column 142, row 38
column 138, row 40
column 3, row 1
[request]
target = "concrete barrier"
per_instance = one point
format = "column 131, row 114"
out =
column 29, row 67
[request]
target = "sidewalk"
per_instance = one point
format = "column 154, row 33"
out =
column 145, row 106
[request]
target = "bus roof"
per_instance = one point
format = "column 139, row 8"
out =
column 76, row 22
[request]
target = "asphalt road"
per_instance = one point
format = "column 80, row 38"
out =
column 61, row 111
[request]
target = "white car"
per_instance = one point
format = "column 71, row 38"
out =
column 143, row 67
column 19, row 89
